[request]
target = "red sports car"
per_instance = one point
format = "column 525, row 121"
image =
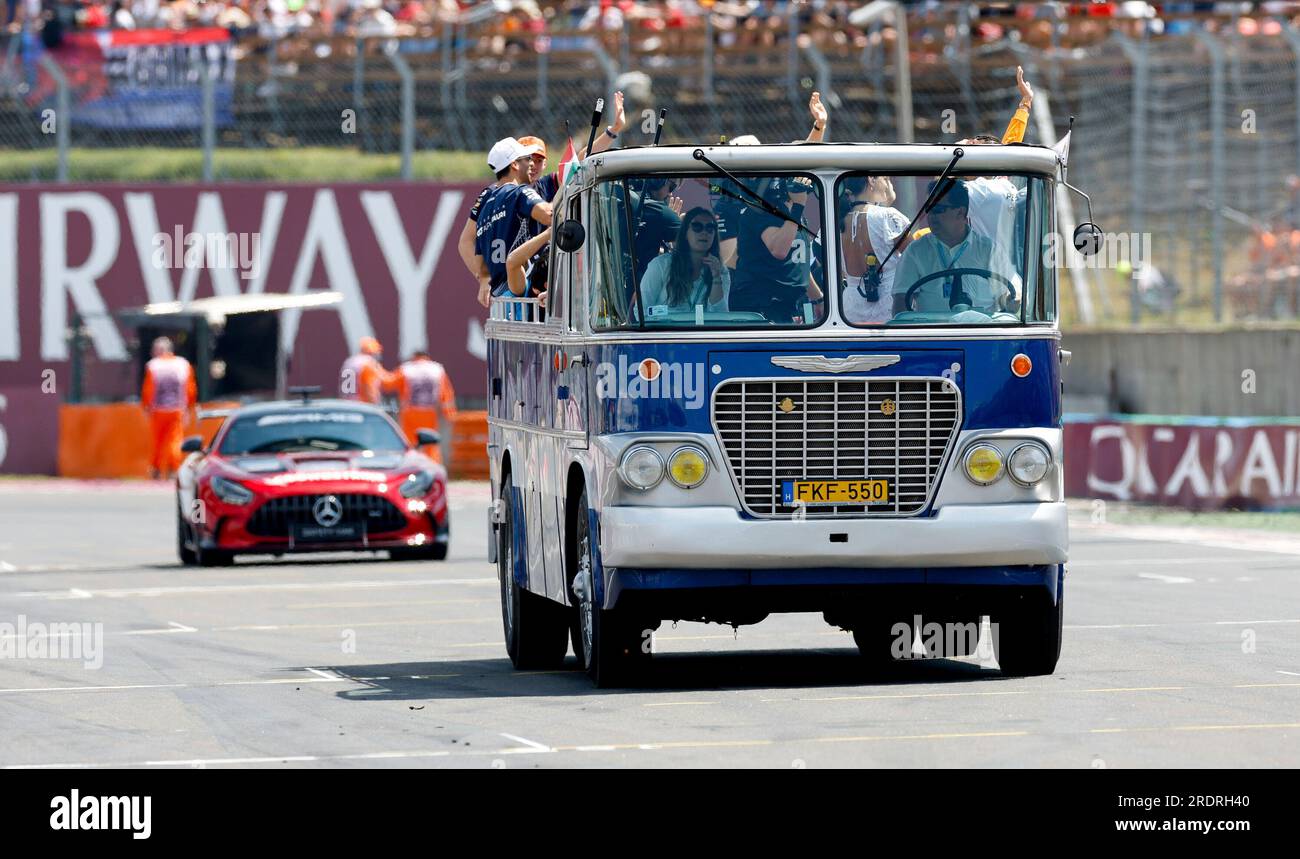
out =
column 309, row 476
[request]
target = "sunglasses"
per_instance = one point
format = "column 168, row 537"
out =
column 707, row 227
column 939, row 210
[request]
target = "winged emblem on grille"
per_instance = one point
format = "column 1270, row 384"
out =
column 822, row 364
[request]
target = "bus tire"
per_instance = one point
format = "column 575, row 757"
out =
column 874, row 637
column 1027, row 641
column 608, row 647
column 536, row 630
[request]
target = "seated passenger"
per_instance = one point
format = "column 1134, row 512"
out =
column 693, row 273
column 869, row 226
column 657, row 211
column 952, row 244
column 774, row 260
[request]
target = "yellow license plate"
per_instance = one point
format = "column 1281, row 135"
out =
column 835, row 492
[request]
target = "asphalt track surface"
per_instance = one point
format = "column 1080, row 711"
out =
column 1182, row 648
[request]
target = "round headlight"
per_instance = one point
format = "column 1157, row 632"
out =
column 642, row 468
column 983, row 464
column 1028, row 464
column 688, row 466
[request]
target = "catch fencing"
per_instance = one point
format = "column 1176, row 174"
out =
column 1186, row 140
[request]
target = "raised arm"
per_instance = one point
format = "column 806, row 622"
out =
column 606, row 140
column 819, row 117
column 1015, row 132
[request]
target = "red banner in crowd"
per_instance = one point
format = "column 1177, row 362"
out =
column 137, row 79
column 1199, row 464
column 389, row 248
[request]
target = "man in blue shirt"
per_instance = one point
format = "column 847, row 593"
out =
column 504, row 214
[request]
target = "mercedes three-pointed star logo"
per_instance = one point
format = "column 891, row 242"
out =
column 327, row 510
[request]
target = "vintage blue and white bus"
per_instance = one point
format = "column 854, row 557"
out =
column 722, row 409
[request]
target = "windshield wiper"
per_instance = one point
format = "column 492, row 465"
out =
column 941, row 187
column 772, row 210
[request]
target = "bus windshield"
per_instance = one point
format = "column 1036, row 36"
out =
column 707, row 251
column 975, row 258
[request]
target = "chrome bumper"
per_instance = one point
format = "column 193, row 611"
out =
column 719, row 538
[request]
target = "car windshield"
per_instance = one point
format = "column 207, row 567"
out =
column 973, row 259
column 707, row 251
column 307, row 431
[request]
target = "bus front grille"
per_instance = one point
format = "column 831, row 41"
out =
column 778, row 430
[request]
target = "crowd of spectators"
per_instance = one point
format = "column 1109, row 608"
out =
column 739, row 23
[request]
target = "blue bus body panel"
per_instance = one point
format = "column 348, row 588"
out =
column 993, row 398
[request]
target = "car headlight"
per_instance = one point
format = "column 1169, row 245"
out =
column 641, row 468
column 687, row 467
column 1028, row 464
column 983, row 464
column 417, row 484
column 231, row 492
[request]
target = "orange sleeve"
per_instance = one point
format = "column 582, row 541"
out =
column 403, row 392
column 146, row 392
column 367, row 379
column 448, row 396
column 1015, row 132
column 388, row 381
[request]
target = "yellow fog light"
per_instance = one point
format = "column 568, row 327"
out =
column 983, row 464
column 688, row 466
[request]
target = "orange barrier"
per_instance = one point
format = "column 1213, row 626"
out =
column 111, row 440
column 469, row 439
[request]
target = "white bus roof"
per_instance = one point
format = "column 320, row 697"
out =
column 882, row 157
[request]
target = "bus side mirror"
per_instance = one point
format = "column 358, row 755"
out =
column 426, row 436
column 569, row 236
column 193, row 444
column 1088, row 238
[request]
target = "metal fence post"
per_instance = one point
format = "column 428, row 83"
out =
column 1293, row 39
column 866, row 16
column 272, row 55
column 607, row 65
column 359, row 91
column 543, row 74
column 1217, row 83
column 1137, row 57
column 448, row 40
column 208, row 135
column 63, row 113
column 408, row 112
column 792, row 57
column 707, row 79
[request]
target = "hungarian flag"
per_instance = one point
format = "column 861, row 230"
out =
column 568, row 164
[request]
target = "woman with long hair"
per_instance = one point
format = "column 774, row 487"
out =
column 692, row 273
column 869, row 226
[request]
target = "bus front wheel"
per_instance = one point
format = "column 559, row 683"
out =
column 536, row 629
column 606, row 644
column 1027, row 637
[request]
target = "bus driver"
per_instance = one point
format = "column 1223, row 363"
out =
column 952, row 244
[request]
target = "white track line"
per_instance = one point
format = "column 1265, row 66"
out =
column 532, row 746
column 1169, row 580
column 171, row 590
column 172, row 627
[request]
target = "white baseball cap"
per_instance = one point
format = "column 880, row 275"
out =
column 744, row 140
column 507, row 151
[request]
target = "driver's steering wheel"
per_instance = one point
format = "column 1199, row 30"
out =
column 955, row 272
